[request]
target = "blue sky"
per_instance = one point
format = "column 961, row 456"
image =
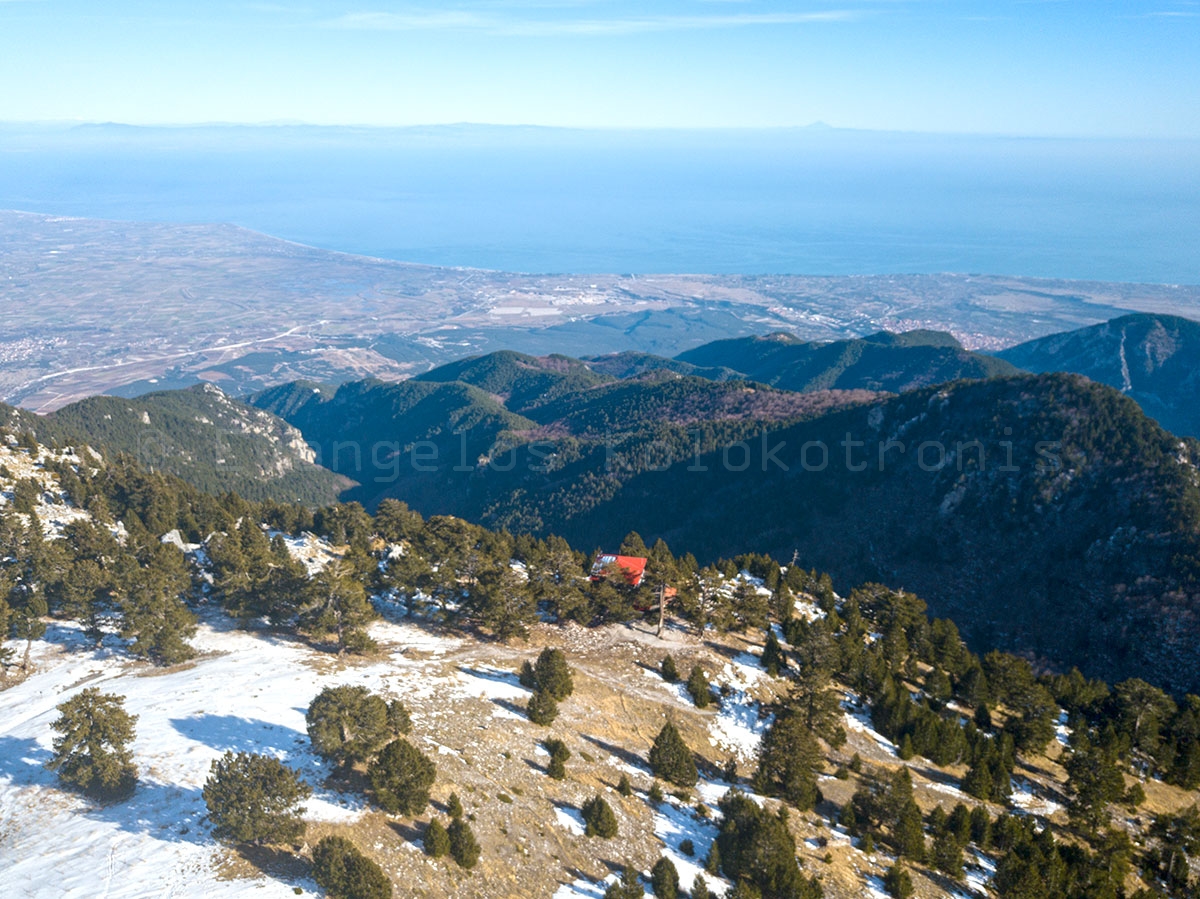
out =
column 1038, row 67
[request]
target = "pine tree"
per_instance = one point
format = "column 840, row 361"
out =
column 668, row 670
column 542, row 709
column 254, row 798
column 712, row 864
column 774, row 661
column 1094, row 781
column 502, row 602
column 909, row 834
column 339, row 608
column 527, row 677
column 947, row 855
column 454, row 806
column 436, row 840
column 152, row 612
column 981, row 827
column 699, row 888
column 598, row 818
column 401, row 777
column 625, row 786
column 788, row 761
column 345, row 873
column 664, row 879
column 559, row 754
column 553, row 674
column 671, row 759
column 348, row 724
column 898, row 882
column 464, row 848
column 628, row 886
column 399, row 720
column 697, row 686
column 91, row 751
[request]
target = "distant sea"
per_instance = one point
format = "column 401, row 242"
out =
column 801, row 201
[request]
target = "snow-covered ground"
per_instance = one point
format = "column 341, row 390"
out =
column 739, row 726
column 859, row 719
column 1024, row 799
column 245, row 692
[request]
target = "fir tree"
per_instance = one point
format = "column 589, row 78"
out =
column 464, row 848
column 909, row 834
column 527, row 677
column 436, row 840
column 401, row 777
column 947, row 855
column 399, row 720
column 348, row 724
column 712, row 864
column 625, row 786
column 553, row 674
column 542, row 709
column 339, row 607
column 91, row 751
column 627, row 886
column 345, row 873
column 671, row 759
column 700, row 888
column 1094, row 781
column 788, row 761
column 898, row 882
column 697, row 686
column 254, row 798
column 774, row 661
column 668, row 670
column 454, row 806
column 981, row 827
column 559, row 754
column 152, row 612
column 598, row 818
column 664, row 879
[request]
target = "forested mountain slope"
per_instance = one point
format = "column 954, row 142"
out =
column 1153, row 358
column 205, row 437
column 449, row 447
column 1046, row 513
column 883, row 361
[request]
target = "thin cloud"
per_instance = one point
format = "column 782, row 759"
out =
column 464, row 20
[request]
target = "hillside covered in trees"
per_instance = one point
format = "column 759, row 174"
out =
column 428, row 702
column 1009, row 503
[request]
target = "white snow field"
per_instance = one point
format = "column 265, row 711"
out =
column 246, row 691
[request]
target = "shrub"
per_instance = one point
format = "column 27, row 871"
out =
column 454, row 806
column 698, row 687
column 345, row 873
column 559, row 753
column 625, row 786
column 254, row 798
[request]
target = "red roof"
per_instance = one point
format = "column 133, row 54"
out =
column 634, row 567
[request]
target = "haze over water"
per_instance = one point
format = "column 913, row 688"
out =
column 810, row 201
